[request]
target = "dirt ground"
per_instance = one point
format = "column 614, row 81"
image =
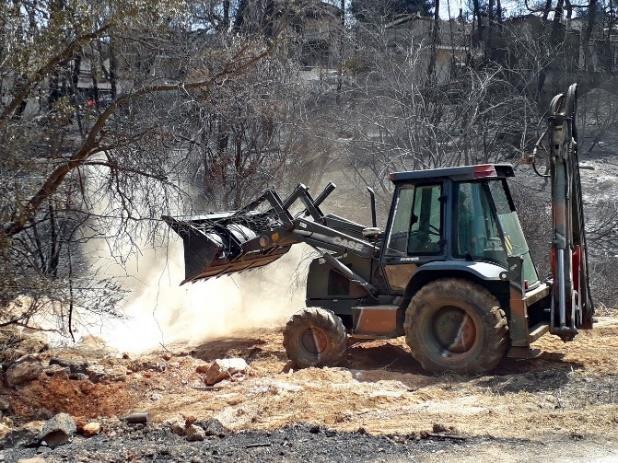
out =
column 571, row 388
column 569, row 395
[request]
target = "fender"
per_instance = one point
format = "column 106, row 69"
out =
column 491, row 276
column 483, row 270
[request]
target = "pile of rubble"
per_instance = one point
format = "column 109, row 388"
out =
column 28, row 361
column 63, row 428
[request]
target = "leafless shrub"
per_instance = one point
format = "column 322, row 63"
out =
column 76, row 167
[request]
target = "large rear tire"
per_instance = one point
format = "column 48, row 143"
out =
column 454, row 325
column 314, row 337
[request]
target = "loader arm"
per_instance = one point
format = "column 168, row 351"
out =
column 231, row 242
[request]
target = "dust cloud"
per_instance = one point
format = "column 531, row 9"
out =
column 160, row 312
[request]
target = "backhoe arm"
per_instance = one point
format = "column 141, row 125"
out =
column 571, row 304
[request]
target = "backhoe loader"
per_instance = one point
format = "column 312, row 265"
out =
column 451, row 271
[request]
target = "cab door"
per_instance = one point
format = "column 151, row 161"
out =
column 415, row 232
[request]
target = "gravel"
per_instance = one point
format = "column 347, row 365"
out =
column 298, row 443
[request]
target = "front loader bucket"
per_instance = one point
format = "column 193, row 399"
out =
column 221, row 244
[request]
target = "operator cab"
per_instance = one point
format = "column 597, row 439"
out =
column 456, row 214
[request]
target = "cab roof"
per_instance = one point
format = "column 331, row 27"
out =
column 475, row 172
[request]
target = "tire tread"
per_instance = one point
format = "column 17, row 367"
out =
column 326, row 320
column 494, row 320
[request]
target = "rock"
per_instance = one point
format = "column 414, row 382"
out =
column 439, row 428
column 33, row 342
column 75, row 366
column 78, row 376
column 87, row 387
column 176, row 425
column 147, row 364
column 24, row 436
column 23, row 371
column 58, row 430
column 91, row 429
column 212, row 427
column 116, row 373
column 32, row 460
column 225, row 369
column 194, row 433
column 202, row 368
column 16, row 343
column 10, row 338
column 97, row 373
column 57, row 370
column 136, row 417
column 189, row 420
column 178, row 428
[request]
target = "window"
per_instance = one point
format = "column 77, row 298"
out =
column 477, row 236
column 425, row 229
column 514, row 239
column 400, row 228
column 417, row 221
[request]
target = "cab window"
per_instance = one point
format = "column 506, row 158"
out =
column 477, row 235
column 416, row 227
column 514, row 239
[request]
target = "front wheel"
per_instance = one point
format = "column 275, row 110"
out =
column 456, row 325
column 314, row 337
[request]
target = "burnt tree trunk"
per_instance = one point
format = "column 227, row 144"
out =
column 435, row 37
column 546, row 10
column 476, row 13
column 226, row 15
column 592, row 8
column 490, row 30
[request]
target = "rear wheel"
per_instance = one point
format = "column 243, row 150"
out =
column 314, row 337
column 455, row 325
